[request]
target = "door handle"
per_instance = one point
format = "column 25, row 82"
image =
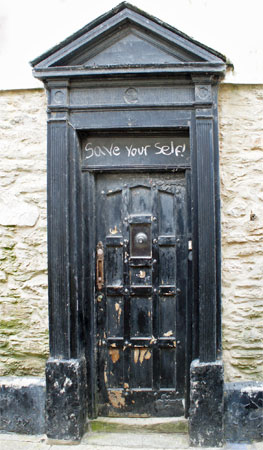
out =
column 100, row 266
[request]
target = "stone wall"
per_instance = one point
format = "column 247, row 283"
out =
column 23, row 273
column 241, row 153
column 23, row 256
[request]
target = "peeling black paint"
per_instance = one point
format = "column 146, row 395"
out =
column 206, row 404
column 66, row 399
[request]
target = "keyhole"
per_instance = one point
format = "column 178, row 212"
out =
column 141, row 239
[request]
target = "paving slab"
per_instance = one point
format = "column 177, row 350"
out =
column 243, row 446
column 20, row 445
column 113, row 441
column 22, row 437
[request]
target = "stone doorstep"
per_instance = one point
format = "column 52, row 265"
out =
column 137, row 441
column 139, row 425
column 113, row 431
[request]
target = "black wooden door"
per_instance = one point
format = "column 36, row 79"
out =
column 141, row 252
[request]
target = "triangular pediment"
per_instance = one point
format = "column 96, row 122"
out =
column 130, row 46
column 125, row 37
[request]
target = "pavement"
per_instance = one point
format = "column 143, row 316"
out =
column 112, row 441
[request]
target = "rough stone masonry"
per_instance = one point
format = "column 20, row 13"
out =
column 241, row 161
column 23, row 246
column 23, row 257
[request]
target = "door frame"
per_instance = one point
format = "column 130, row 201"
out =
column 70, row 323
column 88, row 231
column 89, row 264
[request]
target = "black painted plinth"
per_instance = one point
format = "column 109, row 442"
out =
column 206, row 404
column 66, row 399
column 22, row 405
column 244, row 411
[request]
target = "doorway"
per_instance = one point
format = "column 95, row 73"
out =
column 140, row 293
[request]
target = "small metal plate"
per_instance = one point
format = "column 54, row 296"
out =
column 141, row 245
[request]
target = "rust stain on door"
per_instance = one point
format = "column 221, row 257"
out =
column 114, row 354
column 169, row 333
column 114, row 230
column 118, row 311
column 116, row 399
column 140, row 354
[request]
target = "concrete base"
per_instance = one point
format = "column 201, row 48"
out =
column 22, row 404
column 66, row 399
column 206, row 404
column 244, row 411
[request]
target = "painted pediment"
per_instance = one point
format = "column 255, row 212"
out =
column 125, row 37
column 131, row 46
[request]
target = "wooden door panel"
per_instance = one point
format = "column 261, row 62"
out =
column 114, row 368
column 141, row 368
column 115, row 316
column 167, row 316
column 141, row 317
column 167, row 361
column 166, row 216
column 140, row 200
column 114, row 265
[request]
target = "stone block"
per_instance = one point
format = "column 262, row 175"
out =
column 22, row 405
column 17, row 213
column 206, row 404
column 243, row 411
column 66, row 399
